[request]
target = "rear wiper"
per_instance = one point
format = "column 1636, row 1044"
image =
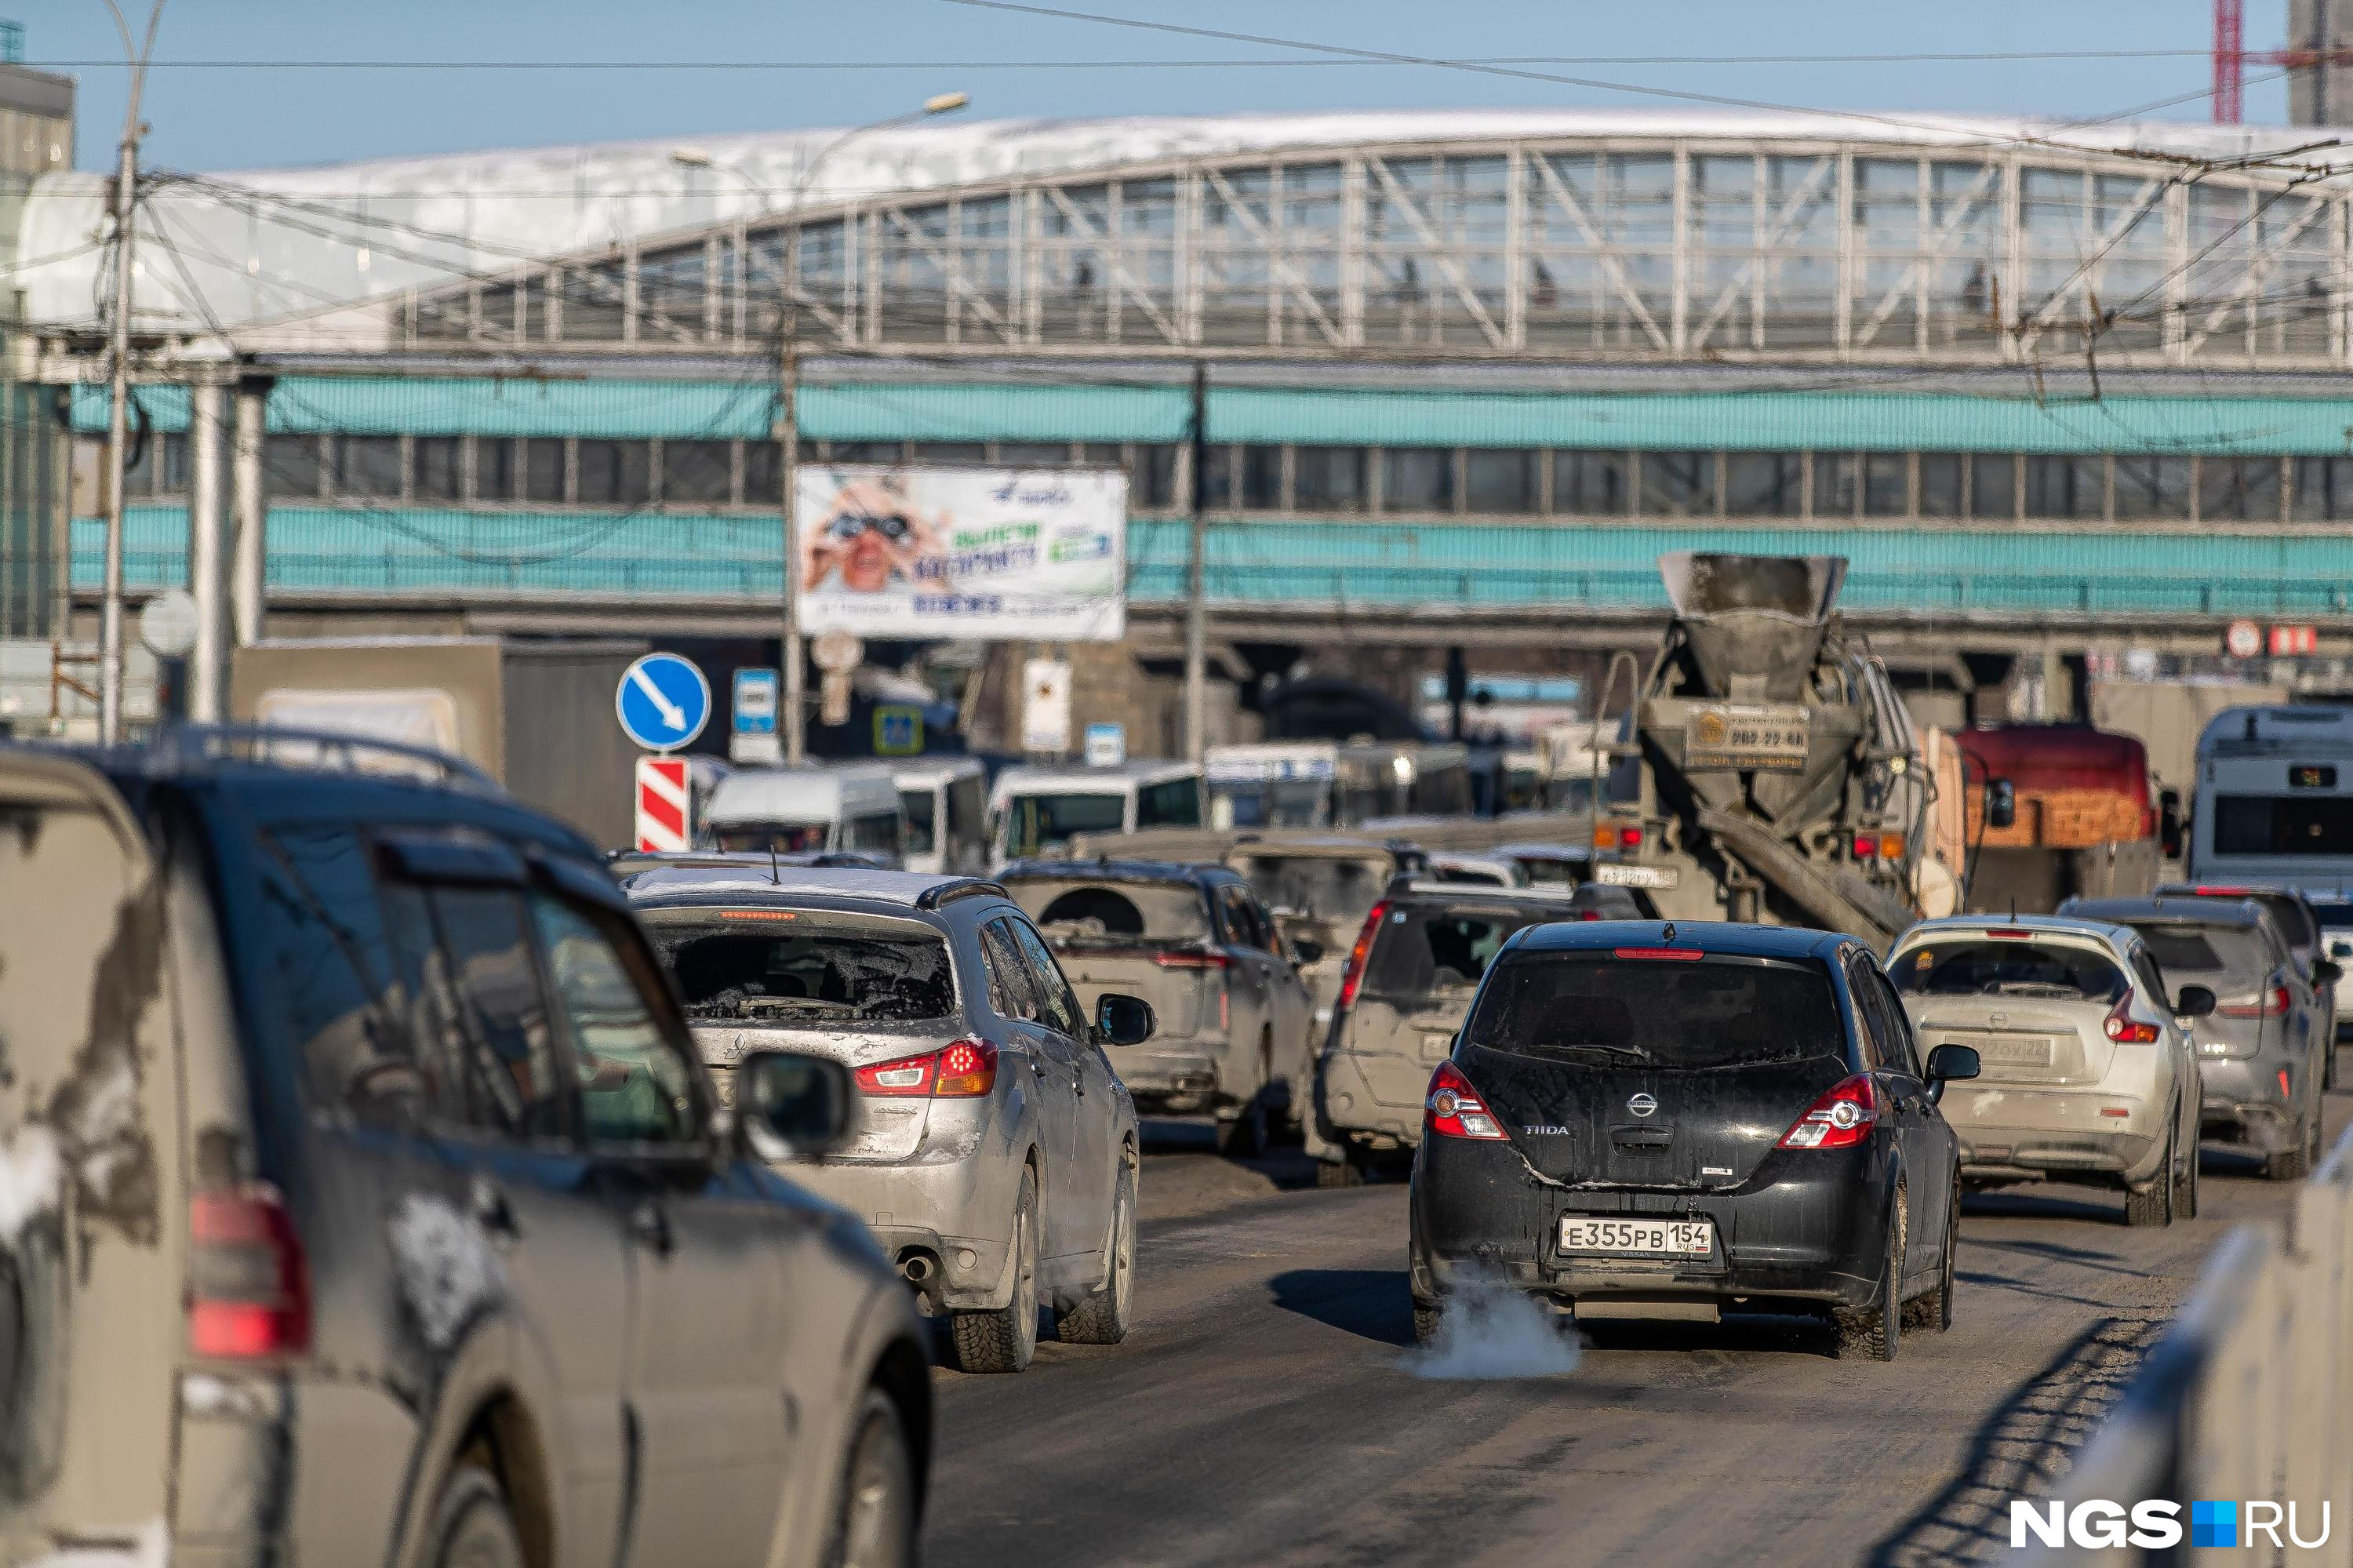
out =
column 1636, row 1052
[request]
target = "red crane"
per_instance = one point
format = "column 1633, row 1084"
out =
column 2231, row 58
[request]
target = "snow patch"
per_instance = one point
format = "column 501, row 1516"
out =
column 142, row 1547
column 31, row 1177
column 449, row 1273
column 1491, row 1331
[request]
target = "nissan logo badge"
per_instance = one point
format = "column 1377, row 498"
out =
column 1641, row 1105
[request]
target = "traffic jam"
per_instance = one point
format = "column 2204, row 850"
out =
column 390, row 1173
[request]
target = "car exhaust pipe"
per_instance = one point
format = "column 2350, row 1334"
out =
column 917, row 1269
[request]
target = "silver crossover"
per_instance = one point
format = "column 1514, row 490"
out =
column 2084, row 1074
column 992, row 1149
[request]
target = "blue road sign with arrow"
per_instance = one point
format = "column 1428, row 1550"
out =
column 663, row 702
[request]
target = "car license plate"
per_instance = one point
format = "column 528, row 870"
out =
column 1669, row 1238
column 1618, row 874
column 1746, row 734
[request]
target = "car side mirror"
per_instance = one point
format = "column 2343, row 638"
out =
column 2000, row 803
column 1307, row 952
column 1947, row 1064
column 791, row 1105
column 2326, row 972
column 1122, row 1020
column 2195, row 1001
column 2169, row 824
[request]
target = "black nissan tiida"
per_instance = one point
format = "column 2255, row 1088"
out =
column 1650, row 1120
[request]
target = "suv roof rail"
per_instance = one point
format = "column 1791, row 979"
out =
column 1550, row 893
column 191, row 743
column 948, row 892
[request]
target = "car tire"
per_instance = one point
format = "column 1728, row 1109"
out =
column 1244, row 1136
column 2295, row 1164
column 1935, row 1310
column 1003, row 1340
column 2328, row 1064
column 1872, row 1333
column 875, row 1515
column 2155, row 1207
column 1101, row 1319
column 1425, row 1321
column 473, row 1526
column 2185, row 1186
column 1345, row 1172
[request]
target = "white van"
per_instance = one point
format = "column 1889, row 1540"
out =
column 945, row 802
column 2275, row 796
column 1272, row 784
column 799, row 809
column 1034, row 810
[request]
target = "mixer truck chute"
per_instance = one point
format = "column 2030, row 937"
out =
column 1774, row 773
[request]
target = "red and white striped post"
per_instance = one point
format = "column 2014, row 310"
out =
column 663, row 804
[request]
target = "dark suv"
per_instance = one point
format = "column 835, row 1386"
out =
column 363, row 1199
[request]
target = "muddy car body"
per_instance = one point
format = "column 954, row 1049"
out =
column 2086, row 1074
column 2297, row 915
column 1236, row 1034
column 1648, row 1120
column 405, row 1227
column 1408, row 976
column 1319, row 886
column 992, row 1148
column 2260, row 1051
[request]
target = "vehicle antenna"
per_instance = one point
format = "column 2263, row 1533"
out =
column 2013, row 908
column 775, row 876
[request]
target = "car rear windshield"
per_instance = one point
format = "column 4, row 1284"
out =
column 1316, row 885
column 2212, row 950
column 1035, row 823
column 1424, row 950
column 1593, row 1008
column 1113, row 912
column 761, row 838
column 804, row 967
column 2284, row 824
column 1977, row 966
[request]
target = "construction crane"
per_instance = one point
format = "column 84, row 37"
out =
column 2231, row 58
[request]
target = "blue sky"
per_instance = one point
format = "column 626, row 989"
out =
column 232, row 119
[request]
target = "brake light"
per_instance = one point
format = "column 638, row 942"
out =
column 758, row 914
column 958, row 1070
column 1840, row 1119
column 248, row 1282
column 1629, row 837
column 2207, row 890
column 2272, row 1003
column 2010, row 934
column 1352, row 975
column 1618, row 835
column 1685, row 953
column 1453, row 1109
column 2122, row 1028
column 1192, row 961
column 1866, row 846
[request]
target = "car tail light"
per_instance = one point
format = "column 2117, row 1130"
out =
column 1840, row 1119
column 958, row 1070
column 2122, row 1027
column 2210, row 890
column 1892, row 846
column 1453, row 1109
column 1179, row 960
column 1629, row 837
column 2270, row 1003
column 250, row 1285
column 1866, row 846
column 2010, row 934
column 1352, row 975
column 1616, row 835
column 1685, row 953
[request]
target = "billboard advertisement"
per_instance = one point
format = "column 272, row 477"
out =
column 962, row 552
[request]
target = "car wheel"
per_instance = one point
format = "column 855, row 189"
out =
column 2155, row 1207
column 1004, row 1340
column 472, row 1526
column 1244, row 1136
column 1101, row 1319
column 1426, row 1321
column 1871, row 1333
column 874, row 1523
column 2328, row 1064
column 2185, row 1187
column 1935, row 1310
column 2295, row 1164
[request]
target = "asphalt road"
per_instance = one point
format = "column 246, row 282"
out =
column 1267, row 1409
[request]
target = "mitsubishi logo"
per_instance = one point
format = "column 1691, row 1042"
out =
column 1641, row 1105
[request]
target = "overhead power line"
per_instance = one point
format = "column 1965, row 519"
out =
column 1902, row 58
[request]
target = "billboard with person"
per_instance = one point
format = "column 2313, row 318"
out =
column 962, row 552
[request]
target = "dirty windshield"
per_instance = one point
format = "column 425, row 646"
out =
column 2207, row 950
column 1592, row 1008
column 1098, row 913
column 2005, row 967
column 760, row 838
column 1424, row 952
column 740, row 966
column 1343, row 891
column 1035, row 823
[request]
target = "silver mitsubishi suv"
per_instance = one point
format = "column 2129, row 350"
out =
column 992, row 1149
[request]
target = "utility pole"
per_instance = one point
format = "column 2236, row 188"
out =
column 118, row 421
column 788, row 436
column 1196, row 631
column 207, row 555
column 250, row 509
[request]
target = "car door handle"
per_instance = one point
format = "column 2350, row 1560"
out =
column 492, row 1209
column 650, row 1226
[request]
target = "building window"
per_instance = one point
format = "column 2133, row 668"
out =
column 1834, row 484
column 764, row 467
column 293, row 467
column 1328, row 479
column 2324, row 489
column 541, row 460
column 2239, row 489
column 958, row 454
column 616, row 474
column 173, row 480
column 2153, row 487
column 1261, row 478
column 1501, row 481
column 1678, row 484
column 1589, row 484
column 1034, row 454
column 1418, row 479
column 1216, row 480
column 1886, row 484
column 1993, row 487
column 1941, row 491
column 1154, row 482
column 2066, row 487
column 698, row 473
column 436, row 469
column 1764, row 484
column 367, row 466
